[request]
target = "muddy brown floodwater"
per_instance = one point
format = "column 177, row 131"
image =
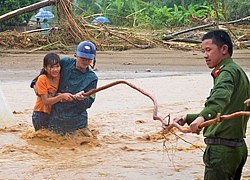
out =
column 127, row 142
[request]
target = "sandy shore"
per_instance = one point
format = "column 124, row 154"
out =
column 128, row 143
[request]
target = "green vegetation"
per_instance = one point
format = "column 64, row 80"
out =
column 153, row 14
column 157, row 14
column 10, row 5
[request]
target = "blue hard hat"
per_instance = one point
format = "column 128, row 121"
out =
column 86, row 49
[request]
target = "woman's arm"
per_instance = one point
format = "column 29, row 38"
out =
column 48, row 100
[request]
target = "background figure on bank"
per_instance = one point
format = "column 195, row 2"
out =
column 44, row 25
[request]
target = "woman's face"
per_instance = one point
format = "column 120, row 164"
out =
column 53, row 70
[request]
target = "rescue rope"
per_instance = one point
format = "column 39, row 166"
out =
column 166, row 125
column 155, row 116
column 216, row 120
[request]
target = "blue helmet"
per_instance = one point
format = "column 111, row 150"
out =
column 86, row 49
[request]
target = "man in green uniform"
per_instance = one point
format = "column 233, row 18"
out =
column 226, row 151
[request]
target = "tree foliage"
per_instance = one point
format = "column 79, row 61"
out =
column 155, row 14
column 161, row 13
column 10, row 5
column 238, row 9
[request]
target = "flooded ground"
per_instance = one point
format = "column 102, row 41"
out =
column 128, row 143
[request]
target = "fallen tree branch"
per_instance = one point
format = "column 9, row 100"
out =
column 171, row 36
column 44, row 47
column 111, row 33
column 26, row 9
column 38, row 30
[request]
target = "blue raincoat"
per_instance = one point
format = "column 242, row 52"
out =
column 71, row 116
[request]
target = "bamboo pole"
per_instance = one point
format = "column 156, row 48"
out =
column 26, row 9
column 171, row 36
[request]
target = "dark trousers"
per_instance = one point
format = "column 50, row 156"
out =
column 40, row 120
column 224, row 162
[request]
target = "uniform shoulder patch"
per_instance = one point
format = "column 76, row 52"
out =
column 217, row 71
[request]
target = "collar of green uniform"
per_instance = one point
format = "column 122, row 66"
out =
column 223, row 63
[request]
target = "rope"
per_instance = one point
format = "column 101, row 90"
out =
column 155, row 116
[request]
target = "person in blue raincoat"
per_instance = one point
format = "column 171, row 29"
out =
column 76, row 77
column 44, row 25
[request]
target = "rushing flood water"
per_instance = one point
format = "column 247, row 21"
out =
column 127, row 143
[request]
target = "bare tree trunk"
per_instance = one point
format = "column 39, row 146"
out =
column 182, row 3
column 26, row 9
column 216, row 7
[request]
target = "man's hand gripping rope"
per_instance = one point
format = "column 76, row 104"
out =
column 177, row 123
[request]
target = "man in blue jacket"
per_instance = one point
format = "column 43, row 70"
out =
column 76, row 77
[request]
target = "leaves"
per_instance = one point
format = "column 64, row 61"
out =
column 154, row 14
column 10, row 5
